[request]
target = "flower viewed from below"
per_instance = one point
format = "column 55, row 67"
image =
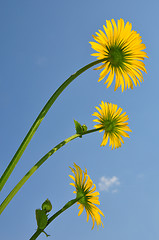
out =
column 121, row 49
column 86, row 190
column 113, row 123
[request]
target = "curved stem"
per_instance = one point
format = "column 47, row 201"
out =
column 37, row 122
column 67, row 205
column 36, row 166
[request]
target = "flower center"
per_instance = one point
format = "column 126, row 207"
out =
column 116, row 56
column 109, row 125
column 81, row 195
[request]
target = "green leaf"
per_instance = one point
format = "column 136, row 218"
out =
column 78, row 127
column 41, row 218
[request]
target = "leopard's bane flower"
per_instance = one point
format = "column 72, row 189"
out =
column 113, row 122
column 121, row 48
column 86, row 190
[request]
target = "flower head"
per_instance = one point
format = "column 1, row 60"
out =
column 113, row 123
column 86, row 190
column 121, row 48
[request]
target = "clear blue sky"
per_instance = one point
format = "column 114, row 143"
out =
column 41, row 44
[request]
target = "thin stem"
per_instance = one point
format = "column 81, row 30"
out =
column 37, row 122
column 67, row 205
column 36, row 166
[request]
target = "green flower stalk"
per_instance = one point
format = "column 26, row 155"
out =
column 37, row 165
column 37, row 122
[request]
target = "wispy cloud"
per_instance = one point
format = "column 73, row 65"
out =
column 107, row 184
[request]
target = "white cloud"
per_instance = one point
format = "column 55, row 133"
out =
column 107, row 184
column 115, row 191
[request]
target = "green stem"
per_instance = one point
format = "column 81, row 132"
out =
column 36, row 166
column 37, row 122
column 67, row 205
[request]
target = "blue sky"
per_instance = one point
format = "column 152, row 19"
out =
column 42, row 43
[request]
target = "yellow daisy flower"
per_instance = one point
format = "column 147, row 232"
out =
column 121, row 48
column 83, row 185
column 113, row 123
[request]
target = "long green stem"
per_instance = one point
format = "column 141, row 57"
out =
column 67, row 205
column 37, row 122
column 37, row 165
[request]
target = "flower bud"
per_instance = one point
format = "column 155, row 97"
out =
column 47, row 206
column 84, row 128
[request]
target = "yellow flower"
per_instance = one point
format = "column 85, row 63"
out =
column 121, row 48
column 83, row 185
column 113, row 123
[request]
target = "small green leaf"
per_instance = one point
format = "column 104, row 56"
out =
column 78, row 127
column 41, row 218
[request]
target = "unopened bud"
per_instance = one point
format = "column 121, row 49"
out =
column 47, row 206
